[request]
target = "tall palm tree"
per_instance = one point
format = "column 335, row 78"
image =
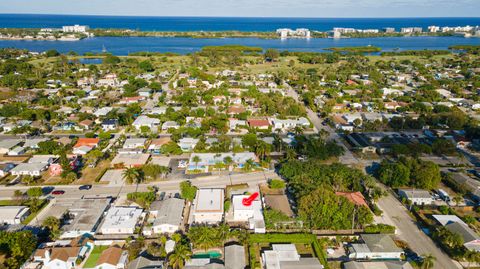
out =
column 228, row 161
column 428, row 261
column 181, row 254
column 132, row 175
column 196, row 159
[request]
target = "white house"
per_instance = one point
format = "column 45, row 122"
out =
column 375, row 247
column 121, row 220
column 188, row 143
column 416, row 196
column 288, row 124
column 286, row 256
column 13, row 214
column 168, row 216
column 29, row 169
column 145, row 121
column 252, row 214
column 208, row 206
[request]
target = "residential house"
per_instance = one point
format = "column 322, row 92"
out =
column 109, row 125
column 13, row 215
column 286, row 256
column 8, row 144
column 416, row 196
column 112, row 258
column 85, row 145
column 121, row 220
column 188, row 143
column 145, row 121
column 29, row 169
column 289, row 124
column 167, row 216
column 208, row 206
column 250, row 213
column 170, row 125
column 156, row 145
column 261, row 123
column 471, row 240
column 375, row 247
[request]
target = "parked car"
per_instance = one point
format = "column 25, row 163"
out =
column 85, row 187
column 58, row 192
column 182, row 164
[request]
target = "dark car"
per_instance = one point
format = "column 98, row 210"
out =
column 58, row 192
column 85, row 187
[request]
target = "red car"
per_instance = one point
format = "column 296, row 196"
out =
column 58, row 192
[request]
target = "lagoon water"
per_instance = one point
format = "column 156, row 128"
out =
column 125, row 45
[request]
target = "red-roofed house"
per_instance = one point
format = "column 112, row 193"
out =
column 355, row 197
column 84, row 145
column 259, row 123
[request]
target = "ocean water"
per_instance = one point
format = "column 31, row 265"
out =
column 222, row 23
column 125, row 45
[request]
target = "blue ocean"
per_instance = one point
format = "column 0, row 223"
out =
column 125, row 45
column 222, row 23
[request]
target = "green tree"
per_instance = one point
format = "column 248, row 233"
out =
column 132, row 175
column 428, row 261
column 180, row 254
column 34, row 192
column 188, row 191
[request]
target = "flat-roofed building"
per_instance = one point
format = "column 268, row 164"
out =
column 285, row 256
column 84, row 216
column 251, row 214
column 121, row 220
column 208, row 206
column 13, row 215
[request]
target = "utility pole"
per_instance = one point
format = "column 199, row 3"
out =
column 353, row 217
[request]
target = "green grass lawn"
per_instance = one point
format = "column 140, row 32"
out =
column 94, row 256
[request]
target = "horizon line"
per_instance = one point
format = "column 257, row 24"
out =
column 265, row 17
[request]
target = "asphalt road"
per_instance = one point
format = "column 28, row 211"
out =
column 408, row 231
column 218, row 181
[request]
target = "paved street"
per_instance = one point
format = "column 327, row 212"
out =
column 408, row 231
column 72, row 192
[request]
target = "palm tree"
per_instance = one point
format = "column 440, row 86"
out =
column 249, row 164
column 228, row 161
column 132, row 175
column 428, row 261
column 181, row 254
column 196, row 159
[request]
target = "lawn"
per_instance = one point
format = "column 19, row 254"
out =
column 94, row 256
column 90, row 175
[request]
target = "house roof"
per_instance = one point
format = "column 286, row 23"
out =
column 355, row 197
column 235, row 257
column 161, row 141
column 258, row 122
column 144, row 263
column 64, row 253
column 83, row 141
column 170, row 211
column 377, row 265
column 110, row 256
column 467, row 234
column 380, row 243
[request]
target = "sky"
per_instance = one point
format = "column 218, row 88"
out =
column 249, row 8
